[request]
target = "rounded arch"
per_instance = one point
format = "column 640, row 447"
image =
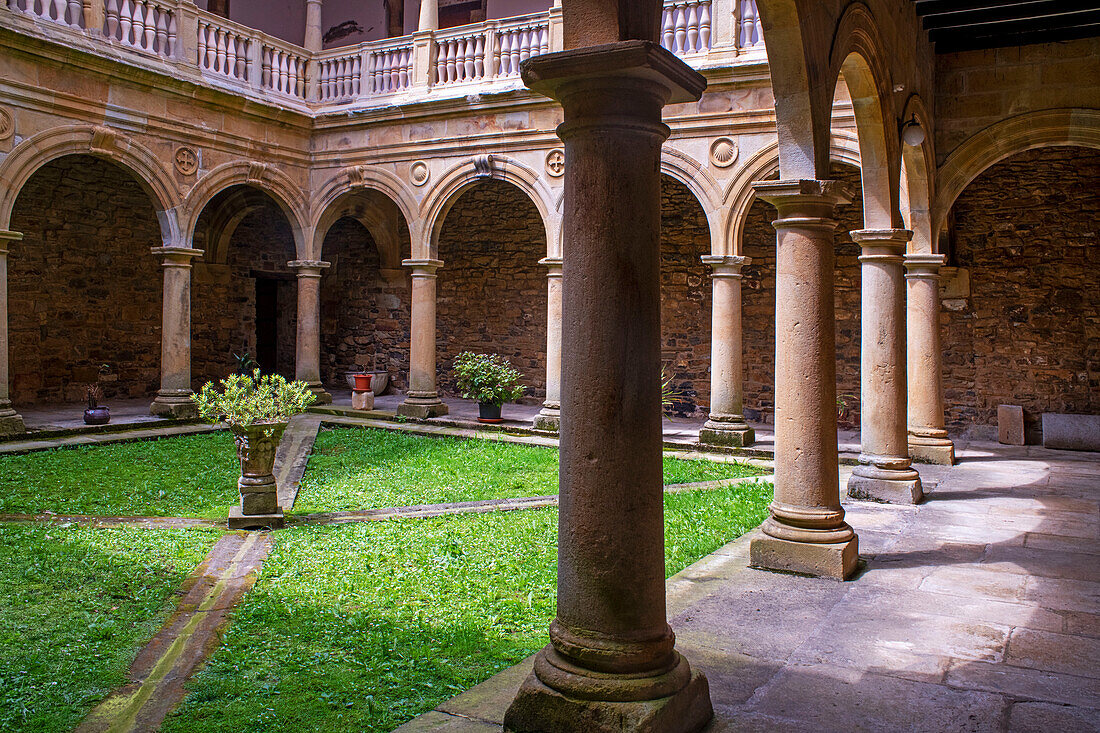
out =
column 683, row 168
column 101, row 142
column 273, row 182
column 1048, row 128
column 463, row 176
column 378, row 213
column 360, row 179
column 916, row 183
column 763, row 164
column 857, row 54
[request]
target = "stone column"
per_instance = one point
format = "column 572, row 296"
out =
column 885, row 472
column 726, row 424
column 11, row 422
column 928, row 441
column 611, row 663
column 549, row 417
column 313, row 40
column 429, row 15
column 422, row 400
column 806, row 532
column 307, row 341
column 174, row 397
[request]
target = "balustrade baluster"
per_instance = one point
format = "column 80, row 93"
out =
column 173, row 34
column 704, row 26
column 126, row 15
column 692, row 28
column 55, row 11
column 544, row 40
column 76, row 13
column 162, row 31
column 517, row 40
column 231, row 55
column 452, row 53
column 681, row 29
column 150, row 27
column 112, row 18
column 479, row 57
column 467, row 59
column 139, row 24
column 284, row 73
column 242, row 57
column 265, row 67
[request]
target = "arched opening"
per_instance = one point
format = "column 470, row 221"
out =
column 1020, row 304
column 365, row 295
column 758, row 309
column 491, row 295
column 84, row 289
column 685, row 297
column 244, row 296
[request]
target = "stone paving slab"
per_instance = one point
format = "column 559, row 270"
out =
column 121, row 436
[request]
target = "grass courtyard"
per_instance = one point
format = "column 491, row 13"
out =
column 349, row 627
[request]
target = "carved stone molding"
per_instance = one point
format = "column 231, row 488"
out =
column 555, row 162
column 104, row 140
column 483, row 166
column 419, row 173
column 723, row 152
column 7, row 124
column 357, row 175
column 256, row 172
column 186, row 160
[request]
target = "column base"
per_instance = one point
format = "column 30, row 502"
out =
column 323, row 397
column 548, row 420
column 422, row 408
column 239, row 520
column 539, row 708
column 888, row 486
column 174, row 404
column 937, row 449
column 822, row 560
column 736, row 433
column 11, row 422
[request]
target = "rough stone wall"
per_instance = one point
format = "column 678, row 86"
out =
column 364, row 318
column 685, row 297
column 84, row 289
column 758, row 306
column 491, row 292
column 223, row 308
column 1029, row 333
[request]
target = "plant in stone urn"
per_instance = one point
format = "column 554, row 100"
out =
column 490, row 379
column 256, row 408
column 96, row 414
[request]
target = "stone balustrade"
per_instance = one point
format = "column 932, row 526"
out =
column 212, row 49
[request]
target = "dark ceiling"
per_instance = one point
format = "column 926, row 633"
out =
column 963, row 25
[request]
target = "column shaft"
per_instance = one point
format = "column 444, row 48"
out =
column 422, row 400
column 885, row 472
column 726, row 424
column 611, row 663
column 928, row 441
column 307, row 342
column 549, row 417
column 174, row 397
column 806, row 532
column 429, row 15
column 11, row 423
column 313, row 36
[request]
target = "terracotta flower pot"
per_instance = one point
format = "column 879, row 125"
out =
column 362, row 383
column 256, row 446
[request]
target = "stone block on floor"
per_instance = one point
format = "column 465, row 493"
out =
column 1010, row 424
column 1071, row 432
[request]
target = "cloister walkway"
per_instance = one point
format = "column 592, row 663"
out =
column 978, row 610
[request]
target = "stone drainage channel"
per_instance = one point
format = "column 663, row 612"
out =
column 217, row 585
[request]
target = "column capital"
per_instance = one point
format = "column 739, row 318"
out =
column 725, row 265
column 8, row 236
column 308, row 268
column 882, row 245
column 553, row 264
column 923, row 266
column 423, row 268
column 804, row 203
column 176, row 256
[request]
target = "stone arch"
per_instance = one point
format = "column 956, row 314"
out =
column 273, row 182
column 354, row 180
column 378, row 213
column 688, row 171
column 857, row 53
column 463, row 176
column 101, row 142
column 1048, row 128
column 918, row 164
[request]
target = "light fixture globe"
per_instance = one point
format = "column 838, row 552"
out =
column 912, row 133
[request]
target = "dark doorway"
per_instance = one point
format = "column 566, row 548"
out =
column 267, row 324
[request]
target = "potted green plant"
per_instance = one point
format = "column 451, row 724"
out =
column 96, row 414
column 490, row 379
column 257, row 409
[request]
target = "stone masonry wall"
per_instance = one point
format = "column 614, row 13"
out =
column 223, row 308
column 758, row 304
column 491, row 295
column 84, row 289
column 364, row 318
column 1029, row 333
column 685, row 297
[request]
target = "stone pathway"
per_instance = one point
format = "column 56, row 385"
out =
column 977, row 611
column 160, row 430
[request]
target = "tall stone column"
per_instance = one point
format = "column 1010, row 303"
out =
column 549, row 417
column 806, row 532
column 429, row 15
column 611, row 664
column 313, row 38
column 422, row 400
column 174, row 397
column 928, row 441
column 11, row 422
column 885, row 472
column 726, row 424
column 307, row 342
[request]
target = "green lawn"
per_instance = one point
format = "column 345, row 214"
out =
column 364, row 626
column 76, row 604
column 354, row 468
column 190, row 476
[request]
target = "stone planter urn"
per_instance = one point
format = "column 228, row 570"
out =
column 256, row 446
